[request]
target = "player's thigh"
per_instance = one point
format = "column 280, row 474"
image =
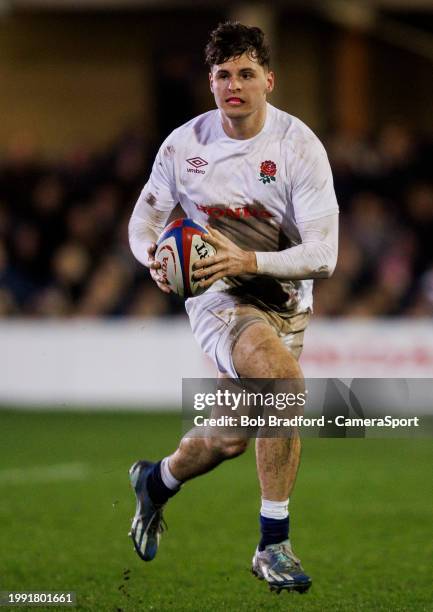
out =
column 260, row 353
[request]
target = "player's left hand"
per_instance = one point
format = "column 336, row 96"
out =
column 229, row 260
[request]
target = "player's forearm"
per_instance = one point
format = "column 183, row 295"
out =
column 140, row 239
column 144, row 229
column 312, row 260
column 315, row 257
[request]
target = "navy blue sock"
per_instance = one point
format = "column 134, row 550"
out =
column 273, row 531
column 158, row 491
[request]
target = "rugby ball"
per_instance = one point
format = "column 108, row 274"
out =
column 178, row 248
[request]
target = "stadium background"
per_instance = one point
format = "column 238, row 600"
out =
column 88, row 89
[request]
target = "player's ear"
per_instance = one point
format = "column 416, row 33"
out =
column 270, row 81
column 210, row 82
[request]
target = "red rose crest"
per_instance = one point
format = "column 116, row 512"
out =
column 268, row 170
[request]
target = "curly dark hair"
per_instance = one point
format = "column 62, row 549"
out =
column 232, row 39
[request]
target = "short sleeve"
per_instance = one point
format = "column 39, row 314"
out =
column 313, row 195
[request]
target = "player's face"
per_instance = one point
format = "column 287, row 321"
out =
column 240, row 86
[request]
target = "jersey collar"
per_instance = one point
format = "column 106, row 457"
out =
column 235, row 141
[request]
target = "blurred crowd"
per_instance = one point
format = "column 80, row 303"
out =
column 385, row 191
column 63, row 233
column 63, row 230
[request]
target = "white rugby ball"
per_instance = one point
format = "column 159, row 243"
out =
column 178, row 248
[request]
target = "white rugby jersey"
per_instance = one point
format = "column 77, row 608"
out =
column 254, row 191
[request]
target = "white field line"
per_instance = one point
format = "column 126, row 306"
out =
column 44, row 473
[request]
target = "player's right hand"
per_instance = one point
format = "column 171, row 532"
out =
column 154, row 267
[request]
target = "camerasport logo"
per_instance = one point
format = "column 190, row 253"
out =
column 268, row 170
column 196, row 163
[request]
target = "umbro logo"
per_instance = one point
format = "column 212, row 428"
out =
column 196, row 162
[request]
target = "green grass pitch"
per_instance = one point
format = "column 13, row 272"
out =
column 361, row 520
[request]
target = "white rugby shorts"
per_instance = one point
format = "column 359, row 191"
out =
column 218, row 318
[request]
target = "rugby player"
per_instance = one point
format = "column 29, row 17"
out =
column 260, row 180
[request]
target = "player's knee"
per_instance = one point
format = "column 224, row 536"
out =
column 227, row 447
